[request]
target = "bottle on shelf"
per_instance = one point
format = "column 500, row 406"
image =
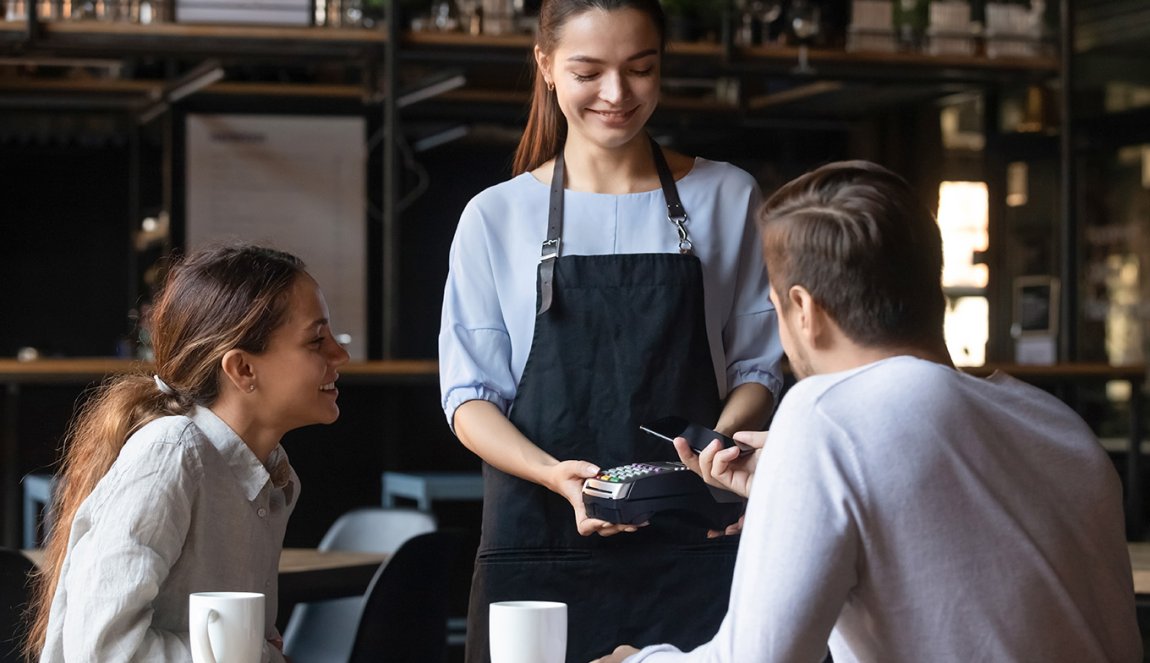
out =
column 911, row 18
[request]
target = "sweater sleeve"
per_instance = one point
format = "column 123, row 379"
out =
column 799, row 549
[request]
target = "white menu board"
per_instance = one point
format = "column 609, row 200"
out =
column 295, row 183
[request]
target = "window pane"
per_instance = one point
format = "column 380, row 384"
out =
column 962, row 217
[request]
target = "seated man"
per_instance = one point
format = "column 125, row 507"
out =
column 904, row 511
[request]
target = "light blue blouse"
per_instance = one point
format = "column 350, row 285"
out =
column 490, row 297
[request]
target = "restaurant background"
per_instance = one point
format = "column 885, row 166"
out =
column 1039, row 166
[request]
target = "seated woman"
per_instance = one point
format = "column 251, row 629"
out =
column 175, row 483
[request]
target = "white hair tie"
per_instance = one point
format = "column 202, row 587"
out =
column 163, row 386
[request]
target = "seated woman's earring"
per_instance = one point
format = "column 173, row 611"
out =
column 251, row 387
column 550, row 86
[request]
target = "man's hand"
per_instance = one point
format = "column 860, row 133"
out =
column 730, row 530
column 621, row 652
column 725, row 468
column 566, row 478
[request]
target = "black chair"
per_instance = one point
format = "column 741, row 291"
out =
column 405, row 613
column 324, row 631
column 15, row 571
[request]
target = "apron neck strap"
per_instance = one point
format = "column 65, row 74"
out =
column 676, row 214
column 675, row 209
column 550, row 251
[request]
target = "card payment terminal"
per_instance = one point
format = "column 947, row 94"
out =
column 632, row 494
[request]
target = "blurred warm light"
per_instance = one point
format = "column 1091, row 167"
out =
column 1146, row 166
column 967, row 328
column 1017, row 184
column 962, row 217
column 1124, row 322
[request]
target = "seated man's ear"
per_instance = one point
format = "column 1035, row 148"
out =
column 812, row 320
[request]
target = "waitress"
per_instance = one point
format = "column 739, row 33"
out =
column 608, row 283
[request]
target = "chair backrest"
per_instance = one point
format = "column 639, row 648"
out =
column 376, row 529
column 38, row 490
column 323, row 631
column 15, row 571
column 405, row 615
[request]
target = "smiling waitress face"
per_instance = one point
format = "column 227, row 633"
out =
column 605, row 69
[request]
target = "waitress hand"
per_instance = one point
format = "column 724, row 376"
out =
column 725, row 468
column 566, row 478
column 621, row 652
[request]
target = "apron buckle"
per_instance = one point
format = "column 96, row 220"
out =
column 550, row 250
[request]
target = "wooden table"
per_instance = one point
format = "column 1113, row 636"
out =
column 308, row 574
column 1140, row 564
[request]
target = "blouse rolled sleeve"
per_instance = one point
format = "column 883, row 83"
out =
column 474, row 344
column 751, row 335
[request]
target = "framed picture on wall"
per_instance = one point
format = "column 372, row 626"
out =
column 1035, row 327
column 1035, row 306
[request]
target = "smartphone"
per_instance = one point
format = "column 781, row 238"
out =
column 698, row 437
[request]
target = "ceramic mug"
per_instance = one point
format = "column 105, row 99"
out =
column 226, row 627
column 528, row 632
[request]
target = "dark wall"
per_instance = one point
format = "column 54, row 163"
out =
column 380, row 428
column 64, row 254
column 455, row 172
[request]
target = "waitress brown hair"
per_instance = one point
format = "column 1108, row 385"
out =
column 215, row 300
column 546, row 127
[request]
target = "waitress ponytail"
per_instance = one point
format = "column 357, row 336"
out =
column 545, row 132
column 546, row 128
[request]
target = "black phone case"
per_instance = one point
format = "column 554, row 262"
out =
column 698, row 437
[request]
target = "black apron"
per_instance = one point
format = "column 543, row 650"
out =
column 620, row 340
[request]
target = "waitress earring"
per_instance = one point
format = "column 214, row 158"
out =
column 251, row 388
column 550, row 86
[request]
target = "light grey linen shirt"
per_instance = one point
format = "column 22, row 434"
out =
column 187, row 507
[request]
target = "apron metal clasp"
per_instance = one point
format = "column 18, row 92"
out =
column 680, row 222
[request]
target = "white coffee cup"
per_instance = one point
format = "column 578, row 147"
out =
column 528, row 632
column 226, row 627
